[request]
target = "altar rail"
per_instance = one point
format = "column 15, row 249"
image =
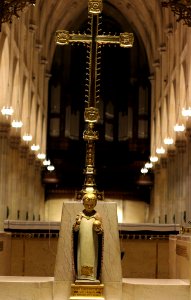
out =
column 28, row 248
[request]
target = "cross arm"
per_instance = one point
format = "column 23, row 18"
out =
column 125, row 39
column 63, row 37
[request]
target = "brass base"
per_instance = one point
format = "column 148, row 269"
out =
column 87, row 290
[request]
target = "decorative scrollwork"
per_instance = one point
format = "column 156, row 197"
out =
column 95, row 6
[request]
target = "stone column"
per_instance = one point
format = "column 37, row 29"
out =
column 4, row 131
column 188, row 198
column 37, row 190
column 170, row 186
column 156, row 203
column 24, row 185
column 163, row 189
column 181, row 147
column 13, row 177
column 31, row 189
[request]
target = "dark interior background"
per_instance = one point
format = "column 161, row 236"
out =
column 124, row 72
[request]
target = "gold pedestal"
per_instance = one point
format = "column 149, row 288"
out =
column 87, row 290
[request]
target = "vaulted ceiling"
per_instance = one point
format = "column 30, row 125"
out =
column 145, row 17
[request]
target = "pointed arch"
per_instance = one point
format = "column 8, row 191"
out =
column 158, row 130
column 33, row 118
column 172, row 112
column 15, row 99
column 25, row 109
column 4, row 70
column 164, row 120
column 39, row 127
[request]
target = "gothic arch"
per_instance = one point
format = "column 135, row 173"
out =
column 43, row 144
column 33, row 118
column 153, row 137
column 158, row 131
column 164, row 121
column 15, row 98
column 25, row 109
column 172, row 112
column 39, row 127
column 182, row 99
column 4, row 69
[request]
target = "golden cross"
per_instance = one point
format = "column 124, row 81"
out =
column 91, row 114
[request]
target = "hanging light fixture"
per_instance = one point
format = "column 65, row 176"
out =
column 168, row 141
column 160, row 150
column 27, row 137
column 35, row 147
column 148, row 165
column 41, row 156
column 179, row 128
column 7, row 111
column 17, row 124
column 144, row 170
column 11, row 8
column 50, row 168
column 154, row 159
column 46, row 162
column 181, row 8
column 186, row 112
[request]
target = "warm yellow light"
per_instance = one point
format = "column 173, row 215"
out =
column 153, row 158
column 27, row 137
column 46, row 162
column 89, row 189
column 35, row 147
column 41, row 155
column 144, row 170
column 148, row 165
column 160, row 150
column 7, row 111
column 17, row 124
column 168, row 141
column 179, row 128
column 186, row 112
column 50, row 168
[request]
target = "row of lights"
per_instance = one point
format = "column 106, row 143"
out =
column 7, row 112
column 167, row 141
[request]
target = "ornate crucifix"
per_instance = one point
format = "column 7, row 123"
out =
column 91, row 115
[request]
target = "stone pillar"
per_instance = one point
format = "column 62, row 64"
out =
column 4, row 131
column 181, row 147
column 170, row 186
column 31, row 189
column 24, row 184
column 188, row 198
column 163, row 189
column 37, row 190
column 13, row 177
column 156, row 203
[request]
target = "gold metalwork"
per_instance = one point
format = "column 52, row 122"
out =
column 87, row 271
column 126, row 39
column 11, row 8
column 90, row 134
column 91, row 114
column 95, row 6
column 62, row 37
column 93, row 42
column 94, row 290
column 181, row 8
